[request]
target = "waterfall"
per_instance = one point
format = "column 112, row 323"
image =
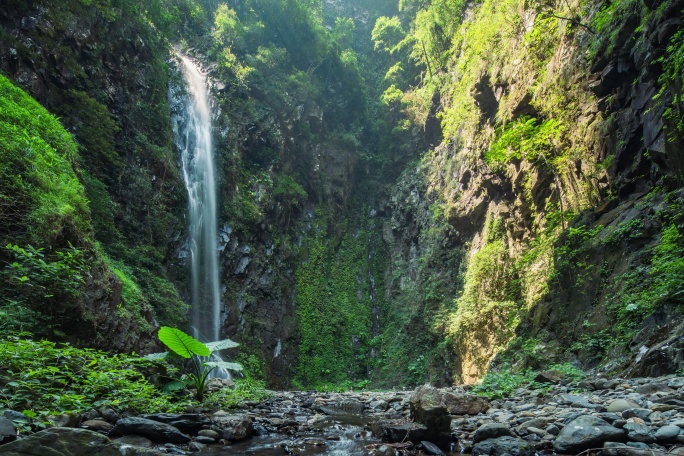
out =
column 192, row 128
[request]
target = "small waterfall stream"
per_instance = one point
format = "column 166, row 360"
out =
column 192, row 128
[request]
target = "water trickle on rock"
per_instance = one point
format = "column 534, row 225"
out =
column 192, row 128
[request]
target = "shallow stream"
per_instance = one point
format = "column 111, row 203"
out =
column 340, row 435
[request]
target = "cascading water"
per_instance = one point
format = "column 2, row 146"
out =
column 192, row 128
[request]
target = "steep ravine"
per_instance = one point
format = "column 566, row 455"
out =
column 518, row 201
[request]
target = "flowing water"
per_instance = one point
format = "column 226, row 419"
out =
column 337, row 436
column 192, row 128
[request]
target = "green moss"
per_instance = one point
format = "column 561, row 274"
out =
column 334, row 306
column 41, row 199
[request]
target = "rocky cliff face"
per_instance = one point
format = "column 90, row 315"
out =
column 102, row 71
column 540, row 222
column 552, row 257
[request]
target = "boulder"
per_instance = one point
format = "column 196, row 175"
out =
column 586, row 432
column 153, row 430
column 503, row 446
column 427, row 408
column 464, row 404
column 491, row 431
column 187, row 423
column 8, row 432
column 412, row 432
column 71, row 442
column 233, row 427
column 550, row 376
column 431, row 448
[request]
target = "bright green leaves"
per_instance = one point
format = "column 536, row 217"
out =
column 188, row 347
column 181, row 343
column 525, row 139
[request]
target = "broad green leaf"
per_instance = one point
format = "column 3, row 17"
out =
column 175, row 385
column 181, row 343
column 224, row 365
column 221, row 345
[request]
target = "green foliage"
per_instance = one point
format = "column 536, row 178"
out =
column 188, row 347
column 497, row 385
column 524, row 139
column 47, row 378
column 41, row 200
column 246, row 389
column 181, row 343
column 671, row 77
column 334, row 307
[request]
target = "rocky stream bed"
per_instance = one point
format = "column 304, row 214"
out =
column 606, row 416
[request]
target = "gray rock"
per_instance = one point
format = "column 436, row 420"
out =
column 491, row 431
column 650, row 388
column 205, row 440
column 109, row 415
column 550, row 376
column 413, row 432
column 552, row 429
column 464, row 403
column 620, row 405
column 209, row 433
column 135, row 440
column 196, row 446
column 153, row 430
column 8, row 432
column 65, row 420
column 72, row 442
column 639, row 432
column 428, row 409
column 503, row 446
column 431, row 448
column 667, row 433
column 621, row 449
column 575, row 400
column 16, row 417
column 233, row 427
column 188, row 423
column 586, row 432
column 676, row 383
column 97, row 425
column 640, row 413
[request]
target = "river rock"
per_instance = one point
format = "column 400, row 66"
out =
column 233, row 427
column 431, row 448
column 620, row 405
column 586, row 432
column 135, row 440
column 8, row 432
column 639, row 432
column 667, row 433
column 97, row 425
column 188, row 423
column 153, row 430
column 550, row 376
column 427, row 408
column 65, row 420
column 72, row 442
column 503, row 446
column 491, row 431
column 413, row 432
column 464, row 404
column 640, row 413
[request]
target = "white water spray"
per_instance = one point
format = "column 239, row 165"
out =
column 193, row 136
